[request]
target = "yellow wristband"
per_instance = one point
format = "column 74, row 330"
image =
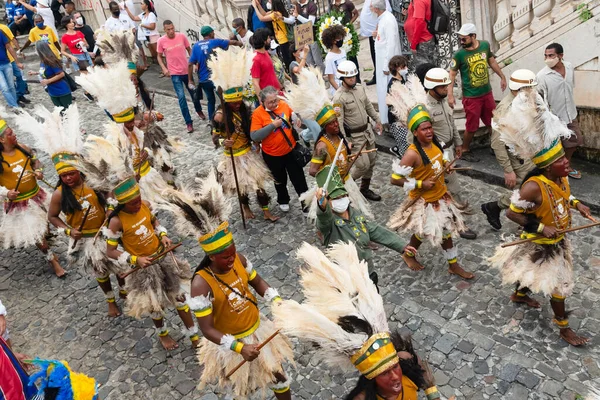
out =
column 133, row 260
column 162, row 234
column 419, row 184
column 237, row 346
column 68, row 231
column 574, row 203
column 540, row 228
column 431, row 390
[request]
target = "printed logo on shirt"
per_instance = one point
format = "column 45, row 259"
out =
column 478, row 69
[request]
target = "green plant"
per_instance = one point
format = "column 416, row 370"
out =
column 507, row 62
column 584, row 12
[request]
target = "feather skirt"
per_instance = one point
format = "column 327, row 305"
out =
column 26, row 224
column 357, row 200
column 155, row 288
column 91, row 258
column 152, row 186
column 252, row 173
column 428, row 220
column 542, row 268
column 252, row 376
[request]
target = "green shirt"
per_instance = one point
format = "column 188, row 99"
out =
column 474, row 69
column 358, row 230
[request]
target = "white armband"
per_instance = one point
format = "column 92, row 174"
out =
column 2, row 309
column 410, row 184
column 124, row 259
column 519, row 205
column 271, row 294
column 201, row 305
column 226, row 341
column 400, row 170
column 3, row 192
column 112, row 202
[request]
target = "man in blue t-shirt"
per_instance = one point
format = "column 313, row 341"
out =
column 7, row 80
column 10, row 11
column 201, row 52
column 20, row 24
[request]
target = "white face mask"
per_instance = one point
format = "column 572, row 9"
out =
column 79, row 21
column 404, row 73
column 340, row 205
column 269, row 6
column 551, row 62
column 301, row 54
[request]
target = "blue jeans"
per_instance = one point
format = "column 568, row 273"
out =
column 180, row 83
column 21, row 85
column 7, row 84
column 209, row 89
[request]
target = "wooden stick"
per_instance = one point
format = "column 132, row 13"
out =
column 152, row 261
column 11, row 204
column 100, row 230
column 85, row 216
column 258, row 348
column 560, row 232
column 355, row 158
column 47, row 184
column 235, row 177
column 435, row 178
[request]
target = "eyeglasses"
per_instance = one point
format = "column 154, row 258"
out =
column 464, row 39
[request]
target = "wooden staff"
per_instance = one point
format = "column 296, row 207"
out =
column 560, row 232
column 152, row 261
column 355, row 158
column 85, row 216
column 260, row 346
column 435, row 178
column 100, row 230
column 237, row 185
column 11, row 204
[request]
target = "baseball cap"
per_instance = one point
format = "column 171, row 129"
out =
column 467, row 29
column 206, row 30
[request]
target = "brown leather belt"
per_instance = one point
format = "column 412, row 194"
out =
column 362, row 128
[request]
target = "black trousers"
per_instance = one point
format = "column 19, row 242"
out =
column 281, row 167
column 372, row 49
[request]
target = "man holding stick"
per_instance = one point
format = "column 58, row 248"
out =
column 542, row 207
column 227, row 311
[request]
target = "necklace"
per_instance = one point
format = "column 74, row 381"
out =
column 221, row 285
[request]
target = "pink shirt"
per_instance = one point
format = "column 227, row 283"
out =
column 175, row 53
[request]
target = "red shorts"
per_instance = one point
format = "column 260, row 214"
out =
column 477, row 108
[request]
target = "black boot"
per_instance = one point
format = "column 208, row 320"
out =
column 492, row 212
column 368, row 193
column 375, row 279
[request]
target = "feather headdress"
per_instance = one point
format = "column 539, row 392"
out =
column 202, row 211
column 58, row 381
column 113, row 89
column 530, row 130
column 310, row 98
column 56, row 132
column 230, row 70
column 343, row 313
column 408, row 102
column 117, row 46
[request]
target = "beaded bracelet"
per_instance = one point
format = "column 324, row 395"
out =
column 432, row 393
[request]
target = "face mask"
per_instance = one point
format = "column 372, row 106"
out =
column 269, row 6
column 79, row 21
column 340, row 205
column 40, row 25
column 404, row 73
column 234, row 31
column 301, row 55
column 116, row 14
column 339, row 43
column 551, row 62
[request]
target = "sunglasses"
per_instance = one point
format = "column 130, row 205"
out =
column 464, row 39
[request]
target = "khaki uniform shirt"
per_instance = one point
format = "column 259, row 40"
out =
column 442, row 121
column 353, row 108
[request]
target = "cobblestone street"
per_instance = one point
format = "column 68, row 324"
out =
column 480, row 345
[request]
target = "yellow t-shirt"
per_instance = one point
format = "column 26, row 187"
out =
column 6, row 30
column 46, row 34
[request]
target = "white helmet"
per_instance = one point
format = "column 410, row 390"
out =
column 436, row 77
column 522, row 78
column 347, row 69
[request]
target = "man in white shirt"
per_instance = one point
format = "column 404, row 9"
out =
column 555, row 84
column 240, row 32
column 42, row 8
column 387, row 45
column 119, row 20
column 368, row 25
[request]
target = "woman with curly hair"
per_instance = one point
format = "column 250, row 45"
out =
column 333, row 40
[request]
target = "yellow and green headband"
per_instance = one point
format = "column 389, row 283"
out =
column 127, row 190
column 218, row 240
column 132, row 67
column 326, row 115
column 376, row 356
column 3, row 126
column 417, row 116
column 233, row 95
column 63, row 162
column 124, row 116
column 549, row 155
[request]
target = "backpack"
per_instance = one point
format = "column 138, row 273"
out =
column 440, row 18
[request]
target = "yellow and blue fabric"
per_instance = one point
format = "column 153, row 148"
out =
column 336, row 187
column 3, row 126
column 132, row 67
column 326, row 115
column 71, row 385
column 417, row 116
column 63, row 162
column 127, row 190
column 218, row 240
column 549, row 155
column 124, row 116
column 376, row 356
column 233, row 95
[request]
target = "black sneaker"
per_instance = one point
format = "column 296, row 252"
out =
column 469, row 157
column 373, row 81
column 88, row 96
column 371, row 195
column 468, row 234
column 492, row 212
column 23, row 100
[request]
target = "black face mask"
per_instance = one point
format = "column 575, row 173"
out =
column 116, row 13
column 339, row 43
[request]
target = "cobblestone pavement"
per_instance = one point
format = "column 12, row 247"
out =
column 480, row 344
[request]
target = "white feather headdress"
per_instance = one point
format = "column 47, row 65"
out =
column 112, row 87
column 406, row 99
column 530, row 130
column 230, row 68
column 116, row 46
column 342, row 312
column 310, row 98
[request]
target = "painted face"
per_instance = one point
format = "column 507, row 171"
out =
column 389, row 383
column 9, row 137
column 235, row 106
column 134, row 205
column 424, row 132
column 560, row 167
column 71, row 178
column 333, row 127
column 223, row 261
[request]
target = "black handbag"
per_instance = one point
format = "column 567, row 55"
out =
column 71, row 82
column 301, row 154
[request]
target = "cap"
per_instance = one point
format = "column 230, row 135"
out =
column 347, row 69
column 436, row 77
column 206, row 30
column 467, row 29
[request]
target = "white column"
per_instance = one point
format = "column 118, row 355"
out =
column 522, row 16
column 503, row 27
column 542, row 10
column 563, row 8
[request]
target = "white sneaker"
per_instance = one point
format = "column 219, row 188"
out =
column 284, row 207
